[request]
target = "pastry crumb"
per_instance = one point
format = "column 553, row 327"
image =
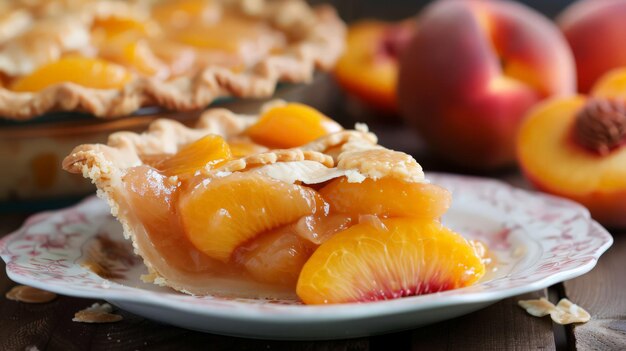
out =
column 97, row 313
column 361, row 127
column 537, row 308
column 565, row 312
column 28, row 294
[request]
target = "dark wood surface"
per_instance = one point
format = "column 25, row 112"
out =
column 501, row 326
column 603, row 293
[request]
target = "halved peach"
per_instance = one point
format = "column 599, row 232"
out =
column 572, row 147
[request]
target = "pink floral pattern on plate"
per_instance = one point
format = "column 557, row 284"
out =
column 538, row 240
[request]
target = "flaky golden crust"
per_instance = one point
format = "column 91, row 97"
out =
column 317, row 42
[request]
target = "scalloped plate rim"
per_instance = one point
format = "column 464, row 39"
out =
column 315, row 314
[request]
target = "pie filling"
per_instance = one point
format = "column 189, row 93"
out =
column 330, row 239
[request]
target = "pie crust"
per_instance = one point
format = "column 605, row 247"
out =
column 40, row 32
column 354, row 154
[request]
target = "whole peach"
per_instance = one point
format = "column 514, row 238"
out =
column 595, row 31
column 472, row 70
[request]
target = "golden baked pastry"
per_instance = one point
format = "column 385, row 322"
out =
column 279, row 204
column 111, row 57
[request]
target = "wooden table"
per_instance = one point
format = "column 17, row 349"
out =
column 501, row 326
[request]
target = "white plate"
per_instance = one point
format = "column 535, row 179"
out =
column 538, row 240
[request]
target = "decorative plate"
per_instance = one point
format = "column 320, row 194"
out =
column 537, row 240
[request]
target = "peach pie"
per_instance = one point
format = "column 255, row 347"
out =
column 111, row 57
column 279, row 204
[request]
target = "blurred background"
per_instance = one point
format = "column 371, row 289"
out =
column 451, row 88
column 351, row 10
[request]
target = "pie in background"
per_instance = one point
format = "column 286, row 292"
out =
column 111, row 57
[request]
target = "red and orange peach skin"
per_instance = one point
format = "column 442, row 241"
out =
column 595, row 31
column 471, row 72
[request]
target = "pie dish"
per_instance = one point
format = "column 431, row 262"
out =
column 538, row 240
column 281, row 203
column 110, row 57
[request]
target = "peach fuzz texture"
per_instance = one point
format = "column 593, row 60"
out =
column 472, row 71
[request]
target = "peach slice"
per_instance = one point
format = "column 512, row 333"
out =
column 410, row 257
column 387, row 197
column 275, row 257
column 87, row 72
column 208, row 151
column 220, row 214
column 291, row 125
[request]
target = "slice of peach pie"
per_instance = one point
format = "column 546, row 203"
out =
column 286, row 202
